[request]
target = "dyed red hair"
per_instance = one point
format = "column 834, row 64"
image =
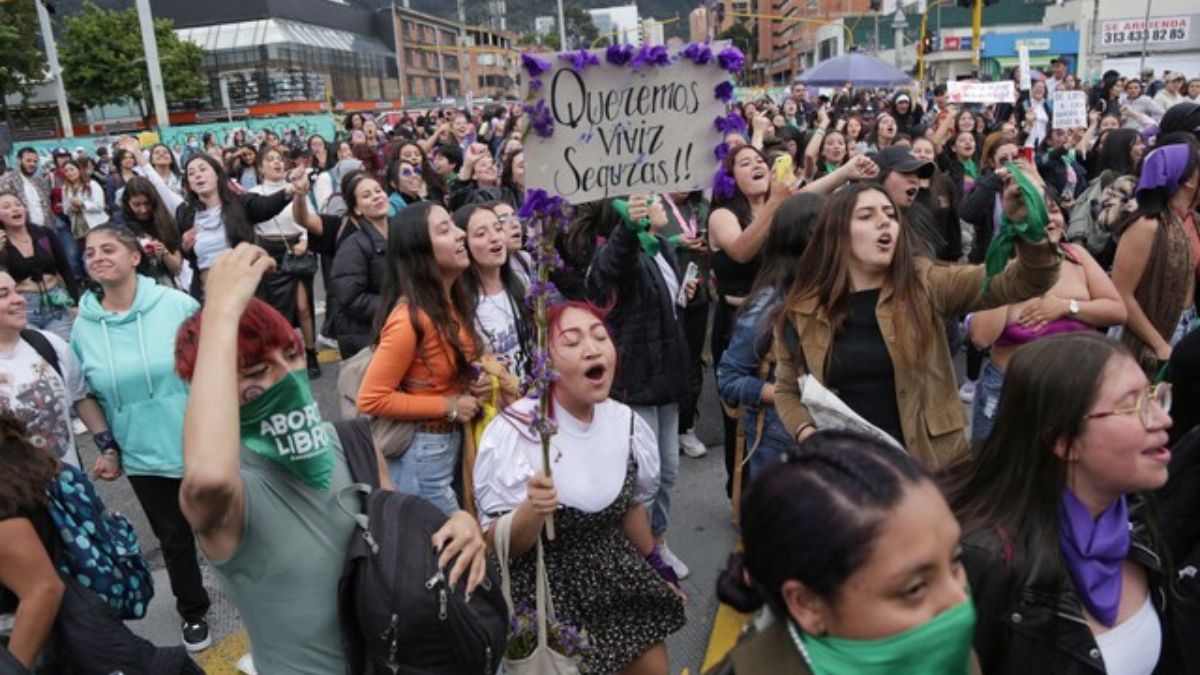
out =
column 261, row 330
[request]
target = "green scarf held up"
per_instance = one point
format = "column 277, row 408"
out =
column 1033, row 230
column 971, row 168
column 641, row 228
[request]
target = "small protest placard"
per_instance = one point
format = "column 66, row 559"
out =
column 620, row 130
column 1070, row 109
column 1023, row 62
column 981, row 92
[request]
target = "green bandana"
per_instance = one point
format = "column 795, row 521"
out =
column 284, row 425
column 1032, row 230
column 830, row 167
column 971, row 168
column 641, row 228
column 940, row 646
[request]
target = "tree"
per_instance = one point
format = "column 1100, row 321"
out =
column 103, row 60
column 21, row 63
column 580, row 29
column 744, row 39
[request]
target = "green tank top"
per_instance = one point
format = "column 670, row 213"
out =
column 283, row 576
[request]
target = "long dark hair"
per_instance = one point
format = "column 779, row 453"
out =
column 330, row 153
column 412, row 276
column 823, row 271
column 433, row 180
column 791, row 229
column 1015, row 479
column 813, row 515
column 238, row 227
column 25, row 470
column 1115, row 152
column 162, row 225
column 737, row 203
column 174, row 163
column 514, row 289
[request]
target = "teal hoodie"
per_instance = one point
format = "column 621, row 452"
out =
column 129, row 362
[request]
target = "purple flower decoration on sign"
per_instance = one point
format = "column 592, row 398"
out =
column 730, row 122
column 541, row 121
column 618, row 55
column 731, row 59
column 541, row 203
column 580, row 59
column 721, row 150
column 533, row 65
column 650, row 56
column 723, row 185
column 535, row 85
column 698, row 52
column 724, row 91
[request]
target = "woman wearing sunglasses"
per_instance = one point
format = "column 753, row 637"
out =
column 1067, row 573
column 406, row 185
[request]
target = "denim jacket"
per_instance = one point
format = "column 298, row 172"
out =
column 738, row 382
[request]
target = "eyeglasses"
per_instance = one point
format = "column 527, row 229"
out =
column 408, row 172
column 506, row 218
column 1159, row 394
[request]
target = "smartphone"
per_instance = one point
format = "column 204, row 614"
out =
column 689, row 275
column 783, row 168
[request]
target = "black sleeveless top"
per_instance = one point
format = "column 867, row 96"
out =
column 733, row 278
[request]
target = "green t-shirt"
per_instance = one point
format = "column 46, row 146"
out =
column 283, row 576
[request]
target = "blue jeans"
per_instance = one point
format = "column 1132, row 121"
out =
column 664, row 420
column 427, row 469
column 46, row 316
column 987, row 400
column 66, row 239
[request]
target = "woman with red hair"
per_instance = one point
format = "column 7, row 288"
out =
column 605, row 466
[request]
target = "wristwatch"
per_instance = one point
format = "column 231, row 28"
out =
column 1072, row 307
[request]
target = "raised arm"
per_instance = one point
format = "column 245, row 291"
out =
column 725, row 234
column 211, row 495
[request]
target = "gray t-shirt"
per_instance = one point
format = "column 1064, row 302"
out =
column 283, row 577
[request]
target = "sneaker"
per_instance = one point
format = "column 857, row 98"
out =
column 324, row 342
column 691, row 446
column 78, row 426
column 966, row 393
column 676, row 564
column 246, row 664
column 196, row 636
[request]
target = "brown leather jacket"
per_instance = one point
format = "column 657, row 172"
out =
column 931, row 416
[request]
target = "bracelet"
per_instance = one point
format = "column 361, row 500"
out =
column 453, row 414
column 105, row 441
column 802, row 427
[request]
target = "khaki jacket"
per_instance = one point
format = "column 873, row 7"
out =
column 931, row 416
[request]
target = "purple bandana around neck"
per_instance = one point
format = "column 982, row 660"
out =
column 1094, row 551
column 1164, row 168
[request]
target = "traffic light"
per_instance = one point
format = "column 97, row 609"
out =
column 875, row 5
column 971, row 3
column 927, row 43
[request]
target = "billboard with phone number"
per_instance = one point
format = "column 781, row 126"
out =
column 1163, row 33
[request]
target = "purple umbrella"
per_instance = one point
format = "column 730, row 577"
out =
column 857, row 69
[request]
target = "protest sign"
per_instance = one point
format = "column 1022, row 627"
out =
column 981, row 92
column 1023, row 62
column 620, row 130
column 1070, row 109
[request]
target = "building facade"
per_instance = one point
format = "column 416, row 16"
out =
column 428, row 50
column 492, row 61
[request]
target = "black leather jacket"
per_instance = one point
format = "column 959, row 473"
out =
column 1042, row 630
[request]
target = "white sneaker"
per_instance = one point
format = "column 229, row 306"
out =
column 246, row 664
column 691, row 446
column 966, row 393
column 324, row 342
column 78, row 426
column 681, row 570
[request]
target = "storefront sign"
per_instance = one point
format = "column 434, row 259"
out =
column 1163, row 34
column 1034, row 44
column 955, row 44
column 981, row 92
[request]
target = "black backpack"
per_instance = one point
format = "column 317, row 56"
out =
column 397, row 613
column 41, row 345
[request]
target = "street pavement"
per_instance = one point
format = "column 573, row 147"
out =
column 700, row 534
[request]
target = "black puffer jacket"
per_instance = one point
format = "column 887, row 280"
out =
column 1038, row 629
column 978, row 207
column 652, row 353
column 356, row 281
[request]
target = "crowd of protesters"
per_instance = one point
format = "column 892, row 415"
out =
column 1029, row 512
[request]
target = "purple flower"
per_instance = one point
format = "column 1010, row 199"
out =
column 618, row 55
column 698, row 52
column 650, row 56
column 723, row 185
column 541, row 121
column 731, row 59
column 535, row 85
column 724, row 91
column 533, row 65
column 539, row 203
column 721, row 150
column 730, row 122
column 580, row 59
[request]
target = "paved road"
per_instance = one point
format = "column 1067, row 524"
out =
column 701, row 534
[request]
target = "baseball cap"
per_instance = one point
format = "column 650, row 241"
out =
column 899, row 159
column 60, row 152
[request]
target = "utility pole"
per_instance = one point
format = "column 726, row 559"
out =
column 976, row 43
column 464, row 68
column 1145, row 37
column 150, row 47
column 562, row 29
column 899, row 23
column 60, row 92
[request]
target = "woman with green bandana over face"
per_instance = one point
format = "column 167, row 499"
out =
column 262, row 472
column 857, row 555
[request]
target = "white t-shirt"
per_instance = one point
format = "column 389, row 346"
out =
column 210, row 236
column 283, row 224
column 35, row 393
column 588, row 460
column 1132, row 647
column 497, row 324
column 33, row 203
